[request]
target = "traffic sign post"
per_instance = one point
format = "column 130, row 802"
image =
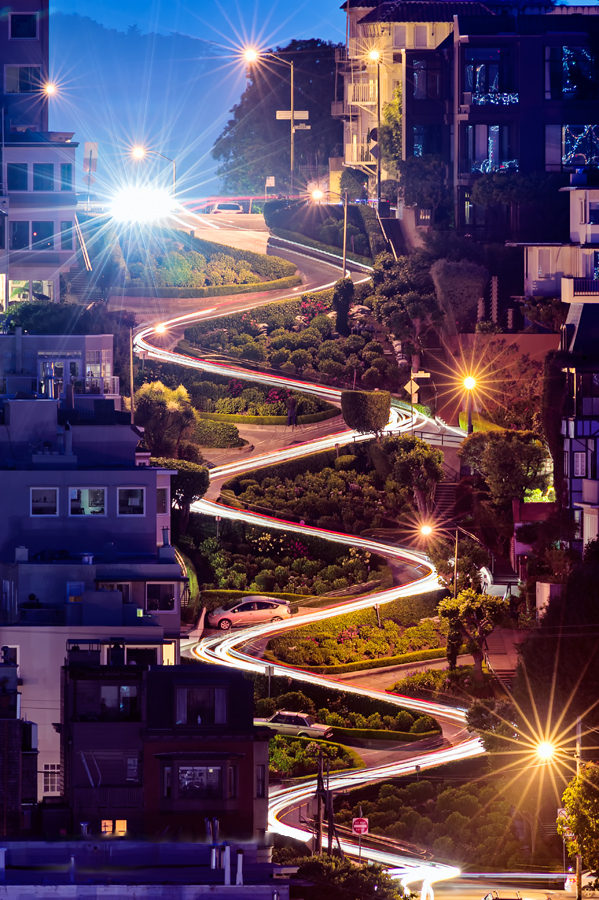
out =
column 359, row 826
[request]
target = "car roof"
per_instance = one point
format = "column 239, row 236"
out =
column 290, row 712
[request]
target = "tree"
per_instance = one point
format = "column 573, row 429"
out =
column 390, row 136
column 471, row 557
column 495, row 722
column 366, row 413
column 254, row 145
column 188, row 485
column 354, row 182
column 512, row 463
column 580, row 829
column 458, row 286
column 418, row 466
column 300, row 359
column 422, row 182
column 333, row 877
column 165, row 414
column 343, row 294
column 535, row 196
column 475, row 616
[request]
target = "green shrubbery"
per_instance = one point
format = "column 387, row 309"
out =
column 441, row 684
column 233, row 397
column 316, row 646
column 290, row 757
column 466, row 824
column 217, row 434
column 325, row 225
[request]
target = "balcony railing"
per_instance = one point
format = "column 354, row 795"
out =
column 490, row 98
column 109, row 797
column 363, row 94
column 96, row 384
column 359, row 153
column 586, row 286
column 575, row 289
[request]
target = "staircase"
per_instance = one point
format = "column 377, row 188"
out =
column 83, row 284
column 393, row 232
column 442, row 387
column 500, row 662
column 503, row 572
column 445, row 492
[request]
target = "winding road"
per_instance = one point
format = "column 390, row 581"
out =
column 228, row 649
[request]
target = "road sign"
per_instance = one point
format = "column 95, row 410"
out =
column 90, row 157
column 297, row 114
column 359, row 826
column 89, row 180
column 270, row 181
column 302, row 127
column 563, row 814
column 411, row 387
column 421, row 375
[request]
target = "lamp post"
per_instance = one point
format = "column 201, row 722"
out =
column 318, row 195
column 141, row 152
column 375, row 56
column 547, row 752
column 252, row 56
column 427, row 530
column 469, row 384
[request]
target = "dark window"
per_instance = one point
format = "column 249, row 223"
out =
column 16, row 176
column 19, row 235
column 199, row 781
column 132, row 770
column 261, row 604
column 427, row 139
column 43, row 176
column 131, row 502
column 426, row 76
column 419, row 74
column 571, row 73
column 23, row 79
column 66, row 176
column 201, row 706
column 119, row 701
column 162, row 501
column 23, row 26
column 66, row 235
column 261, row 781
column 160, row 597
column 2, row 232
column 167, row 779
column 42, row 235
column 487, row 149
column 246, row 607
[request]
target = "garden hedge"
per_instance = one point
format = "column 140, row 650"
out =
column 222, row 595
column 381, row 663
column 269, row 266
column 315, row 462
column 216, row 290
column 375, row 734
column 298, row 238
column 357, row 759
column 217, row 434
column 270, row 420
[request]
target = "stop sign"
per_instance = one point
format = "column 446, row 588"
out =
column 359, row 826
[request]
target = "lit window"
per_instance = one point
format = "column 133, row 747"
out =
column 160, row 597
column 87, row 501
column 75, row 591
column 23, row 27
column 580, row 465
column 131, row 501
column 199, row 781
column 51, row 778
column 120, row 827
column 44, row 501
column 107, row 826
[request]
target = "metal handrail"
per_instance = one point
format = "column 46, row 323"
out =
column 84, row 252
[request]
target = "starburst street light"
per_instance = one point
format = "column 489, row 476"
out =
column 160, row 329
column 142, row 205
column 250, row 55
column 49, row 89
column 546, row 751
column 469, row 385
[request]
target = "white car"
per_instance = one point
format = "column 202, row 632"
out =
column 227, row 208
column 298, row 724
column 245, row 611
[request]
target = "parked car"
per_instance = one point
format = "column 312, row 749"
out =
column 298, row 724
column 253, row 610
column 227, row 208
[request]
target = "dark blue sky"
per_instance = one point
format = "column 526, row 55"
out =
column 272, row 21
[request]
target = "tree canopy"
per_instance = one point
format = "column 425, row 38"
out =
column 364, row 412
column 471, row 556
column 417, row 466
column 333, row 877
column 254, row 144
column 511, row 462
column 580, row 829
column 390, row 136
column 188, row 485
column 422, row 182
column 475, row 616
column 166, row 414
column 458, row 286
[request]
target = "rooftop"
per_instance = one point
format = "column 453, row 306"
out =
column 425, row 11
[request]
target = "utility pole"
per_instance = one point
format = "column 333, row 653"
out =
column 578, row 766
column 292, row 132
column 319, row 809
column 131, row 376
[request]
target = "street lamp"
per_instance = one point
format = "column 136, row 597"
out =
column 469, row 384
column 142, row 152
column 49, row 89
column 318, row 195
column 375, row 57
column 252, row 55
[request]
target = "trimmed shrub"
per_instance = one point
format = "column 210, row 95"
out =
column 217, row 434
column 344, row 463
column 216, row 290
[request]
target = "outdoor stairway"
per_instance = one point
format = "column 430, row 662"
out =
column 393, row 232
column 83, row 284
column 498, row 659
column 445, row 493
column 503, row 572
column 441, row 389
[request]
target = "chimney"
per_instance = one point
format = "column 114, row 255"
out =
column 18, row 349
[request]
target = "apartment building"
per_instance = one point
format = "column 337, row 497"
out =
column 488, row 87
column 157, row 751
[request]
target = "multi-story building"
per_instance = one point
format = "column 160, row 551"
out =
column 489, row 87
column 156, row 751
column 38, row 225
column 18, row 756
column 84, row 548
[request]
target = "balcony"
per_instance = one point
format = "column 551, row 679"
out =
column 580, row 290
column 490, row 98
column 356, row 154
column 102, row 386
column 338, row 109
column 363, row 94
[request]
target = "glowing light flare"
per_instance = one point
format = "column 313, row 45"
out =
column 374, row 55
column 160, row 329
column 138, row 152
column 251, row 55
column 50, row 89
column 142, row 205
column 546, row 751
column 426, row 530
column 317, row 194
column 469, row 383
